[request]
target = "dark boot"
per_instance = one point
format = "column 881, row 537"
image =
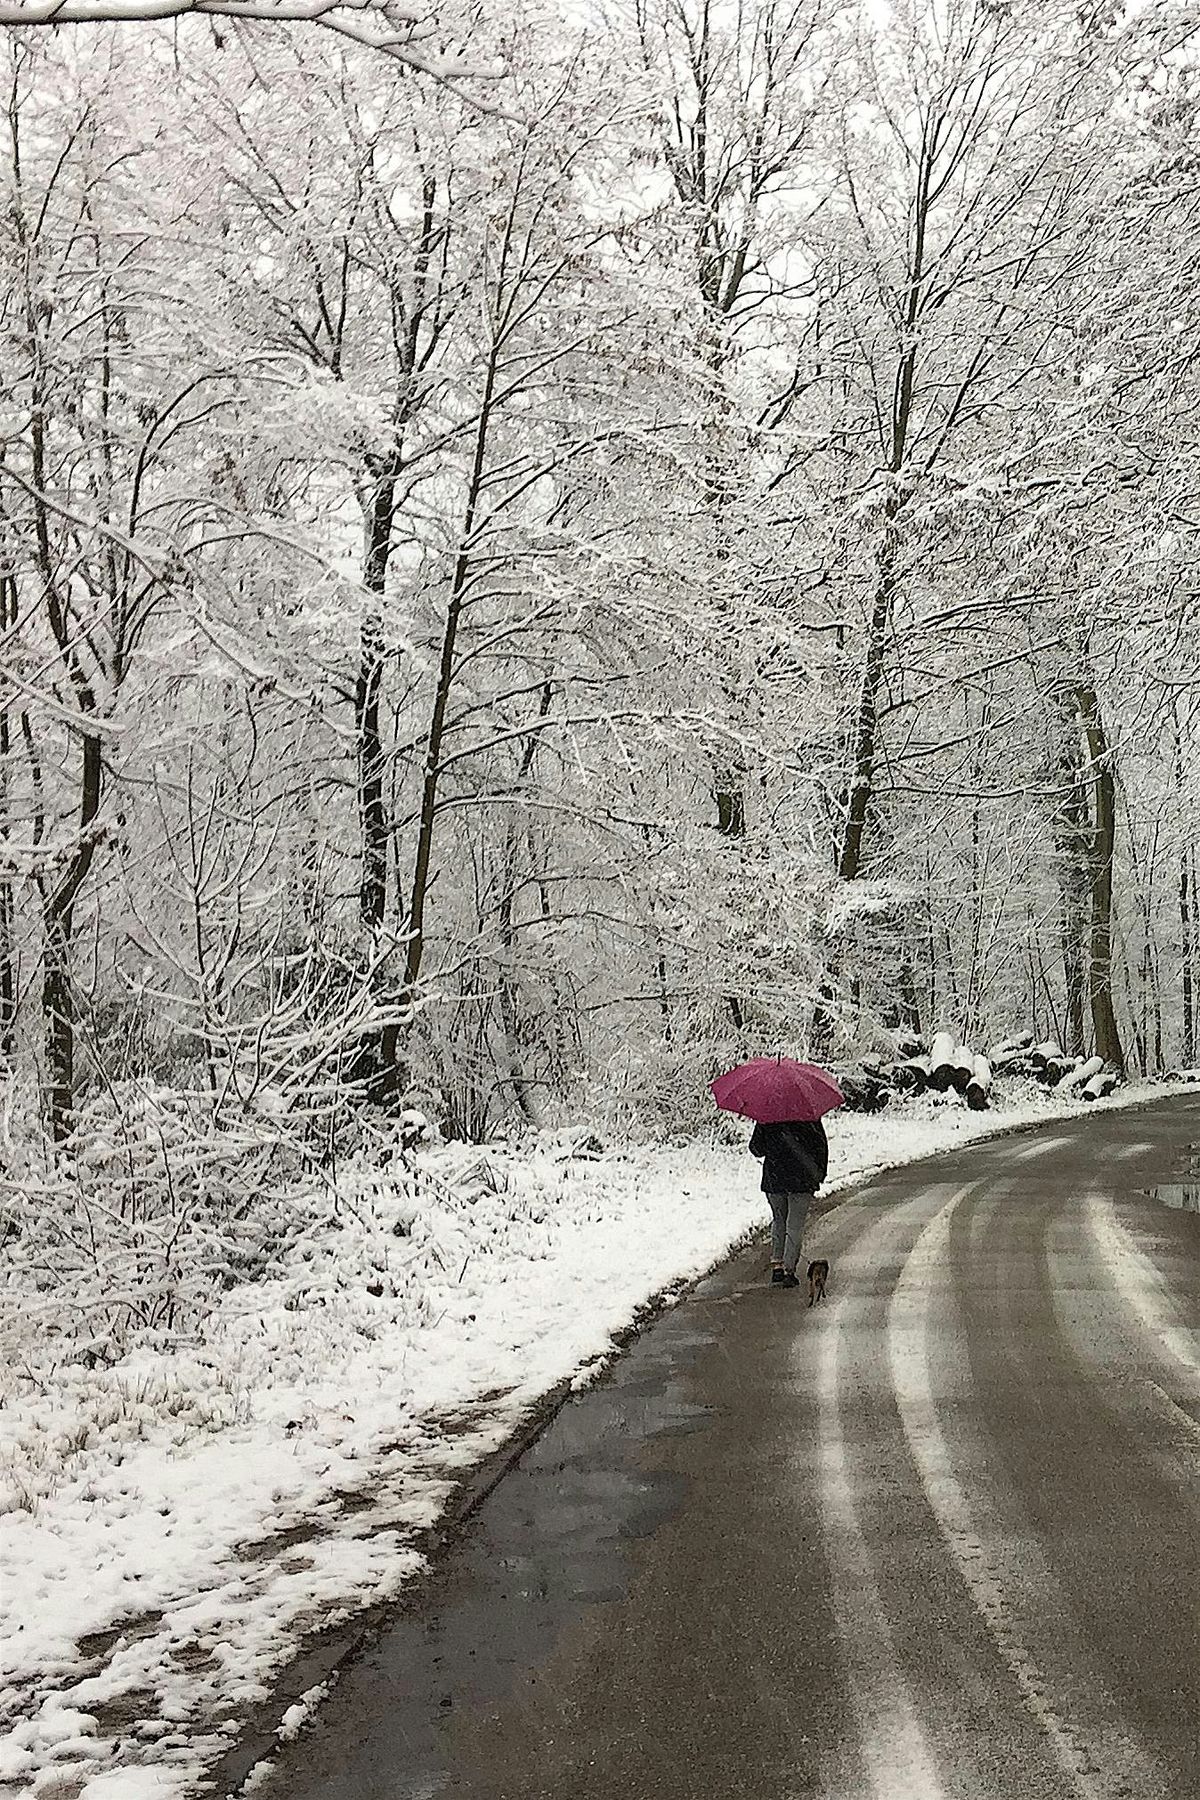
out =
column 778, row 1277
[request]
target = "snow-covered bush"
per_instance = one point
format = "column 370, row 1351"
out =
column 156, row 1203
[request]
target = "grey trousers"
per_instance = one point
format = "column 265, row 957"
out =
column 788, row 1213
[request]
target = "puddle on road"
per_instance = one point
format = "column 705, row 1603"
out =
column 1183, row 1196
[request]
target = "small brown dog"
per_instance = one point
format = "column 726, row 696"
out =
column 818, row 1275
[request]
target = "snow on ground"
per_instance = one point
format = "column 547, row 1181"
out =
column 174, row 1524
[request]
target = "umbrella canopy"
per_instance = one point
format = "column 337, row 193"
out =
column 773, row 1090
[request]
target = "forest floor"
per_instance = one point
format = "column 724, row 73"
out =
column 175, row 1524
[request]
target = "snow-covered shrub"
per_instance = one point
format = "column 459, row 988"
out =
column 156, row 1202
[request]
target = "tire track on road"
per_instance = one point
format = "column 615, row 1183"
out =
column 1077, row 1461
column 1115, row 1316
column 892, row 1742
column 1143, row 1292
column 988, row 1575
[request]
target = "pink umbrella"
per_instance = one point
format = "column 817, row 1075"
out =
column 774, row 1089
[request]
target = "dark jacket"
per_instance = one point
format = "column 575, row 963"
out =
column 795, row 1156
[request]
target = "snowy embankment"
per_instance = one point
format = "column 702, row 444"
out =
column 173, row 1526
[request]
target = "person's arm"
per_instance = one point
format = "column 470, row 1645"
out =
column 822, row 1152
column 757, row 1145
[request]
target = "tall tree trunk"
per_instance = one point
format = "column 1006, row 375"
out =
column 1072, row 829
column 427, row 817
column 508, row 991
column 1100, row 870
column 58, row 1012
column 729, row 771
column 58, row 932
column 1186, row 909
column 864, row 737
column 1073, row 974
column 372, row 807
column 8, row 947
column 731, row 823
column 8, row 970
column 379, row 523
column 865, row 732
column 863, row 741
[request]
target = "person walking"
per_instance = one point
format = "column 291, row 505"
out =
column 787, row 1101
column 795, row 1158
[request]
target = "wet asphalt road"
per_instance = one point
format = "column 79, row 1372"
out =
column 937, row 1537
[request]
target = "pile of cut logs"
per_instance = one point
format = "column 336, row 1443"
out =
column 948, row 1067
column 1048, row 1063
column 951, row 1067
